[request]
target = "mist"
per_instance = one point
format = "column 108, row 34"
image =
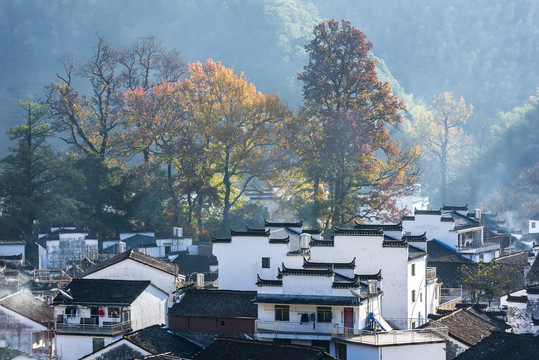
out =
column 485, row 51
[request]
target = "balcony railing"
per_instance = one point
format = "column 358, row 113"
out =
column 437, row 332
column 431, row 273
column 478, row 249
column 293, row 329
column 92, row 329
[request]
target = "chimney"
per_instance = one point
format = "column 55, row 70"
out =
column 478, row 214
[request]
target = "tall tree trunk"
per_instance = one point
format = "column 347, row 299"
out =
column 315, row 213
column 225, row 225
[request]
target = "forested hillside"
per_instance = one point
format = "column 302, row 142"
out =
column 466, row 71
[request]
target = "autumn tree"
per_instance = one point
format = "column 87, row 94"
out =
column 87, row 121
column 441, row 133
column 238, row 125
column 92, row 122
column 345, row 146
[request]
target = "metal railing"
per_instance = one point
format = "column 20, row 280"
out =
column 105, row 329
column 294, row 328
column 436, row 332
column 431, row 273
column 478, row 249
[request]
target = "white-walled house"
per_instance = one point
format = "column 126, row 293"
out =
column 455, row 228
column 523, row 310
column 92, row 313
column 410, row 290
column 312, row 304
column 26, row 324
column 147, row 243
column 64, row 244
column 13, row 247
column 533, row 224
column 134, row 265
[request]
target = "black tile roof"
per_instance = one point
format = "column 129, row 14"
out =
column 308, row 272
column 320, row 243
column 414, row 253
column 358, row 232
column 283, row 224
column 427, row 212
column 316, row 265
column 342, row 282
column 250, row 232
column 140, row 241
column 102, row 292
column 503, row 346
column 384, row 227
column 25, row 304
column 215, row 239
column 216, row 303
column 455, row 208
column 415, row 238
column 408, row 218
column 439, row 252
column 239, row 349
column 533, row 274
column 463, row 222
column 394, row 243
column 265, row 282
column 285, row 240
column 156, row 340
column 307, row 299
column 188, row 264
column 138, row 257
column 377, row 276
column 469, row 325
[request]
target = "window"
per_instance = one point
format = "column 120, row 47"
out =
column 413, row 295
column 421, row 297
column 98, row 344
column 71, row 311
column 265, row 262
column 114, row 312
column 282, row 313
column 481, row 258
column 222, row 323
column 323, row 314
column 413, row 269
column 533, row 224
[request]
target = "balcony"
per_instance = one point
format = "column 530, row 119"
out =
column 436, row 333
column 106, row 329
column 478, row 249
column 294, row 330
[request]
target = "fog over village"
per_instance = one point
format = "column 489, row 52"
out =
column 269, row 179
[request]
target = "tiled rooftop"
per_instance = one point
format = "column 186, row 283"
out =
column 138, row 257
column 216, row 303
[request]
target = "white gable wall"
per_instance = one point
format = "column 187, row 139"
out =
column 150, row 308
column 18, row 330
column 73, row 347
column 241, row 260
column 129, row 269
column 114, row 345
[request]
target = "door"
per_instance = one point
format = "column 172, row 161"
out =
column 349, row 318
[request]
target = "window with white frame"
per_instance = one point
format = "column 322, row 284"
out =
column 282, row 313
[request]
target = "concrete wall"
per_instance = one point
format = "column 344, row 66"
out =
column 73, row 347
column 436, row 229
column 150, row 308
column 241, row 260
column 18, row 330
column 431, row 351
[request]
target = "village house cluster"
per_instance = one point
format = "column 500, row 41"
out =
column 368, row 291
